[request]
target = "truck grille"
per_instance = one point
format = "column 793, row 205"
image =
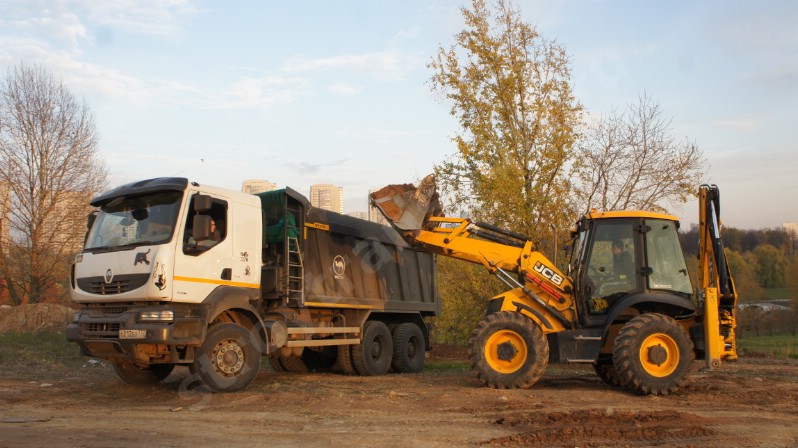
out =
column 99, row 330
column 120, row 284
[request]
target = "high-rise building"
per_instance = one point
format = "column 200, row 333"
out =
column 65, row 227
column 328, row 197
column 254, row 186
column 359, row 215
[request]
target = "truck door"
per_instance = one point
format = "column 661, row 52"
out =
column 201, row 266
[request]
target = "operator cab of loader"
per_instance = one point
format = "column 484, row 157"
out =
column 623, row 256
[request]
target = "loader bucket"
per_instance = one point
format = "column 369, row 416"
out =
column 408, row 207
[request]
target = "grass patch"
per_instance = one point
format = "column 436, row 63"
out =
column 777, row 293
column 780, row 346
column 441, row 366
column 37, row 350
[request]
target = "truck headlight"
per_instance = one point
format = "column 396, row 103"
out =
column 157, row 316
column 75, row 317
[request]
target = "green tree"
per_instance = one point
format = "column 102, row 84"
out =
column 743, row 270
column 792, row 282
column 464, row 289
column 511, row 92
column 50, row 166
column 771, row 266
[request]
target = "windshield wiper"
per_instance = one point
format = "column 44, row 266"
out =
column 100, row 249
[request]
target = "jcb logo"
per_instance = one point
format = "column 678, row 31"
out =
column 547, row 272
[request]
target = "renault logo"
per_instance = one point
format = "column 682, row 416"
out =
column 109, row 276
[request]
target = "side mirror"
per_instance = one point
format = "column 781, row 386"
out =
column 201, row 227
column 90, row 220
column 202, row 203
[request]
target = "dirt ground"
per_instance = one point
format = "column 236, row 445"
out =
column 753, row 403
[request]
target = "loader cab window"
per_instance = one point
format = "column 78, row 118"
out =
column 612, row 264
column 206, row 216
column 665, row 258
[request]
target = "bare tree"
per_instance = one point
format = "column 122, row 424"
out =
column 631, row 161
column 50, row 166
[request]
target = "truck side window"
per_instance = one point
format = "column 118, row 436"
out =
column 218, row 227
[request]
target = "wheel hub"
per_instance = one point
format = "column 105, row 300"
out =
column 657, row 355
column 229, row 357
column 376, row 349
column 506, row 351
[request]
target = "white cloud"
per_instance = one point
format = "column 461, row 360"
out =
column 344, row 89
column 153, row 17
column 738, row 124
column 252, row 92
column 386, row 64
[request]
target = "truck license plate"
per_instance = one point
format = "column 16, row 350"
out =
column 132, row 334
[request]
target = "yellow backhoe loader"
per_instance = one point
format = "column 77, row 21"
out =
column 625, row 304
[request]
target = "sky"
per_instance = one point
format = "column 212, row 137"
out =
column 307, row 92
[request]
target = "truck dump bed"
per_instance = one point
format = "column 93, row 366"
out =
column 346, row 262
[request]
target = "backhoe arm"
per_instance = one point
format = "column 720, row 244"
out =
column 720, row 295
column 537, row 287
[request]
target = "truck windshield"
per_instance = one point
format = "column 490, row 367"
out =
column 135, row 221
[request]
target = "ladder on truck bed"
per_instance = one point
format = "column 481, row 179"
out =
column 295, row 278
column 295, row 269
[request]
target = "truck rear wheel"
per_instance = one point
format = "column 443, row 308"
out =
column 142, row 376
column 228, row 360
column 290, row 363
column 373, row 355
column 653, row 354
column 409, row 348
column 508, row 351
column 343, row 363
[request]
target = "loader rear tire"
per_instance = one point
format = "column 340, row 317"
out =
column 142, row 376
column 508, row 350
column 373, row 355
column 652, row 354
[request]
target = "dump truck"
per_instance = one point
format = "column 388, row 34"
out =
column 177, row 273
column 625, row 304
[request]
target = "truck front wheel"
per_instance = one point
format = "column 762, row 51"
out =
column 228, row 360
column 373, row 355
column 508, row 351
column 142, row 376
column 652, row 354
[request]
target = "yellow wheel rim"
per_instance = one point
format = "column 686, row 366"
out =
column 506, row 351
column 659, row 355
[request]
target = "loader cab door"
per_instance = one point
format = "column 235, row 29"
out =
column 610, row 262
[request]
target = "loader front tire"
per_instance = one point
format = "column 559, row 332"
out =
column 508, row 350
column 652, row 355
